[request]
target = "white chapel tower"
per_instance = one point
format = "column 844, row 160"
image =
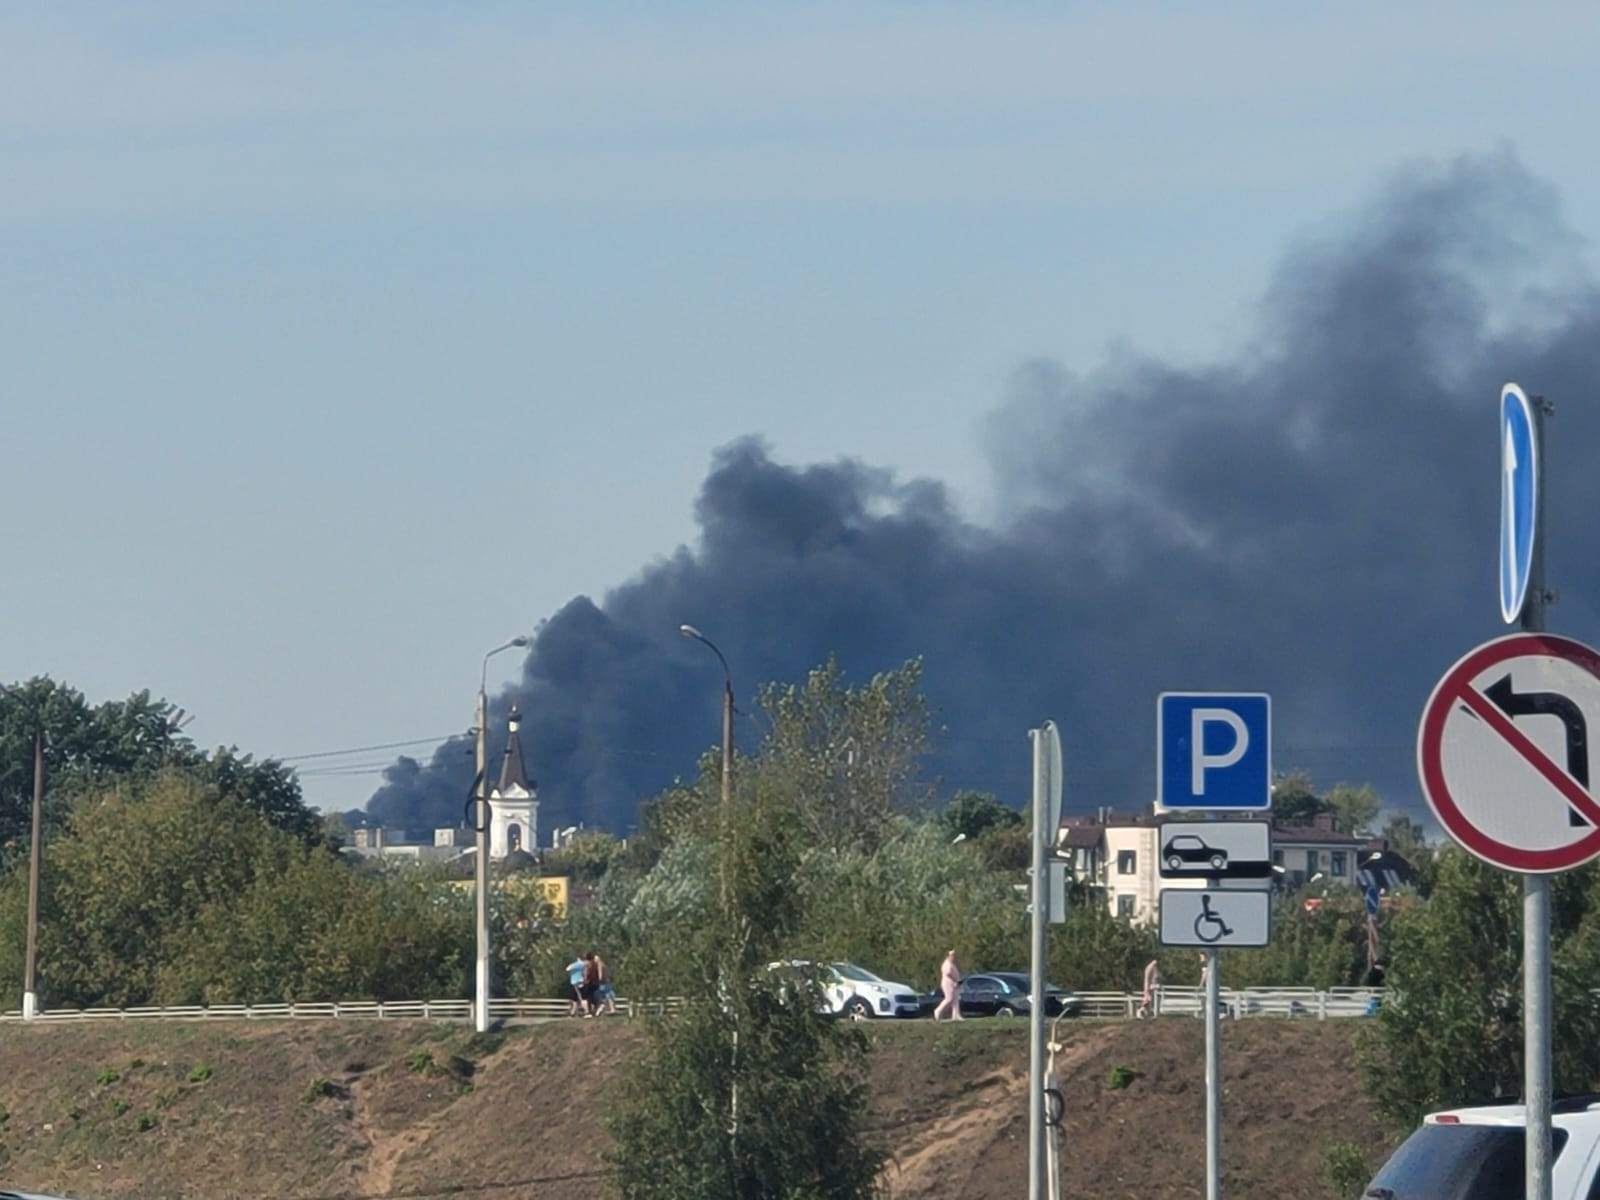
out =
column 514, row 802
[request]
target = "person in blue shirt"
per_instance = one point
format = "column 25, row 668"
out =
column 575, row 971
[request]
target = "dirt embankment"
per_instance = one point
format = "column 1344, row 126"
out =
column 340, row 1111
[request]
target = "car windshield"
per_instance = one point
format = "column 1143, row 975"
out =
column 1458, row 1162
column 859, row 974
column 1018, row 982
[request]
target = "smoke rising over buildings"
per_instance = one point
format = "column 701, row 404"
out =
column 1315, row 517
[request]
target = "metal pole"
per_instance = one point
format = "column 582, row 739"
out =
column 30, row 999
column 480, row 897
column 1213, row 996
column 1537, row 1087
column 1039, row 895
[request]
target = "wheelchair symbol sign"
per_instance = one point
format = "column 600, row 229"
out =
column 1221, row 918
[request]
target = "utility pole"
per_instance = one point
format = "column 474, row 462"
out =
column 480, row 823
column 30, row 999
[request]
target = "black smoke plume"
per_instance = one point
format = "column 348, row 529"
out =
column 1316, row 518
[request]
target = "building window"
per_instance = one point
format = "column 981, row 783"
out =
column 1311, row 862
column 1124, row 906
column 1336, row 863
column 1277, row 858
column 1127, row 862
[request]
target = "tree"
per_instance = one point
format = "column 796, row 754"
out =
column 971, row 814
column 1354, row 806
column 89, row 746
column 848, row 757
column 1406, row 838
column 747, row 1092
column 1449, row 1031
column 1293, row 799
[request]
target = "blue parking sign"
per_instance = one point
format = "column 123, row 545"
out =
column 1214, row 751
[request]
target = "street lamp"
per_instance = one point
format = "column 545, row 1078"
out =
column 480, row 822
column 689, row 631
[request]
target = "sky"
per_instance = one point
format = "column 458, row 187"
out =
column 1085, row 350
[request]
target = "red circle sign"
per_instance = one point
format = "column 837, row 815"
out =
column 1503, row 752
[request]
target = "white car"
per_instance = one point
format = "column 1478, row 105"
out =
column 853, row 991
column 1478, row 1154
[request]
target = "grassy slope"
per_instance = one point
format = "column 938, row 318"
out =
column 325, row 1110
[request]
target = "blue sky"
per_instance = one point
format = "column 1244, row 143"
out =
column 343, row 342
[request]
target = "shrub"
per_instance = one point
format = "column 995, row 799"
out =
column 199, row 1073
column 1120, row 1076
column 1344, row 1166
column 107, row 1075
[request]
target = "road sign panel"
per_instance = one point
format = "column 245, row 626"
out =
column 1215, row 917
column 1519, row 499
column 1503, row 752
column 1215, row 849
column 1214, row 751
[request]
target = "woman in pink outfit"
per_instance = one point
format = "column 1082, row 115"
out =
column 949, row 980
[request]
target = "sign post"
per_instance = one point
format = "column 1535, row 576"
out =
column 1214, row 754
column 1515, row 792
column 1046, row 820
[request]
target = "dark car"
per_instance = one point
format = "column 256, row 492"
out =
column 1006, row 994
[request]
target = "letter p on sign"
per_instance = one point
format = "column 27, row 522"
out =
column 1214, row 751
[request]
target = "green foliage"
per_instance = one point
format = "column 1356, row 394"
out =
column 1345, row 1167
column 970, row 814
column 1094, row 951
column 585, row 857
column 165, row 890
column 107, row 1075
column 1322, row 947
column 1407, row 838
column 145, row 1121
column 117, row 1105
column 847, row 757
column 318, row 1089
column 1450, row 1028
column 199, row 1073
column 795, row 1129
column 1120, row 1076
column 1354, row 806
column 121, row 742
column 801, row 1103
column 419, row 1060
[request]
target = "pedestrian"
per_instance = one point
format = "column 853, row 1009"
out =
column 1150, row 1000
column 575, row 970
column 949, row 982
column 591, row 984
column 604, row 994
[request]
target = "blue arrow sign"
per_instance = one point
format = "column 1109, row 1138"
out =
column 1519, row 499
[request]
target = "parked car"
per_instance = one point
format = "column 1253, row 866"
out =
column 850, row 990
column 1479, row 1154
column 1007, row 994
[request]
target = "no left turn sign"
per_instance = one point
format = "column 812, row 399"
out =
column 1503, row 752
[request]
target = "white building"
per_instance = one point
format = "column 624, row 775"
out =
column 514, row 801
column 1114, row 857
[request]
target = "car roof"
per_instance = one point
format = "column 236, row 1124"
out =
column 1567, row 1110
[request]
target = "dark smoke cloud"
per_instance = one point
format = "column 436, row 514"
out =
column 1316, row 519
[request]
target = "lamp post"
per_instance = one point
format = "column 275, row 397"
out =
column 480, row 822
column 689, row 631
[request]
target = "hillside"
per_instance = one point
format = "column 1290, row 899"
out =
column 336, row 1111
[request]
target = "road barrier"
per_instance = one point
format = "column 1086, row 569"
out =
column 1175, row 1001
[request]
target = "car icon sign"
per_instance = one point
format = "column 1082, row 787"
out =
column 1187, row 849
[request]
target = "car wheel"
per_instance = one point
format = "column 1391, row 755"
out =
column 1174, row 862
column 858, row 1009
column 1219, row 862
column 1005, row 1010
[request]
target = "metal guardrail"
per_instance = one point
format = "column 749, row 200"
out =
column 1240, row 1002
column 1175, row 1001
